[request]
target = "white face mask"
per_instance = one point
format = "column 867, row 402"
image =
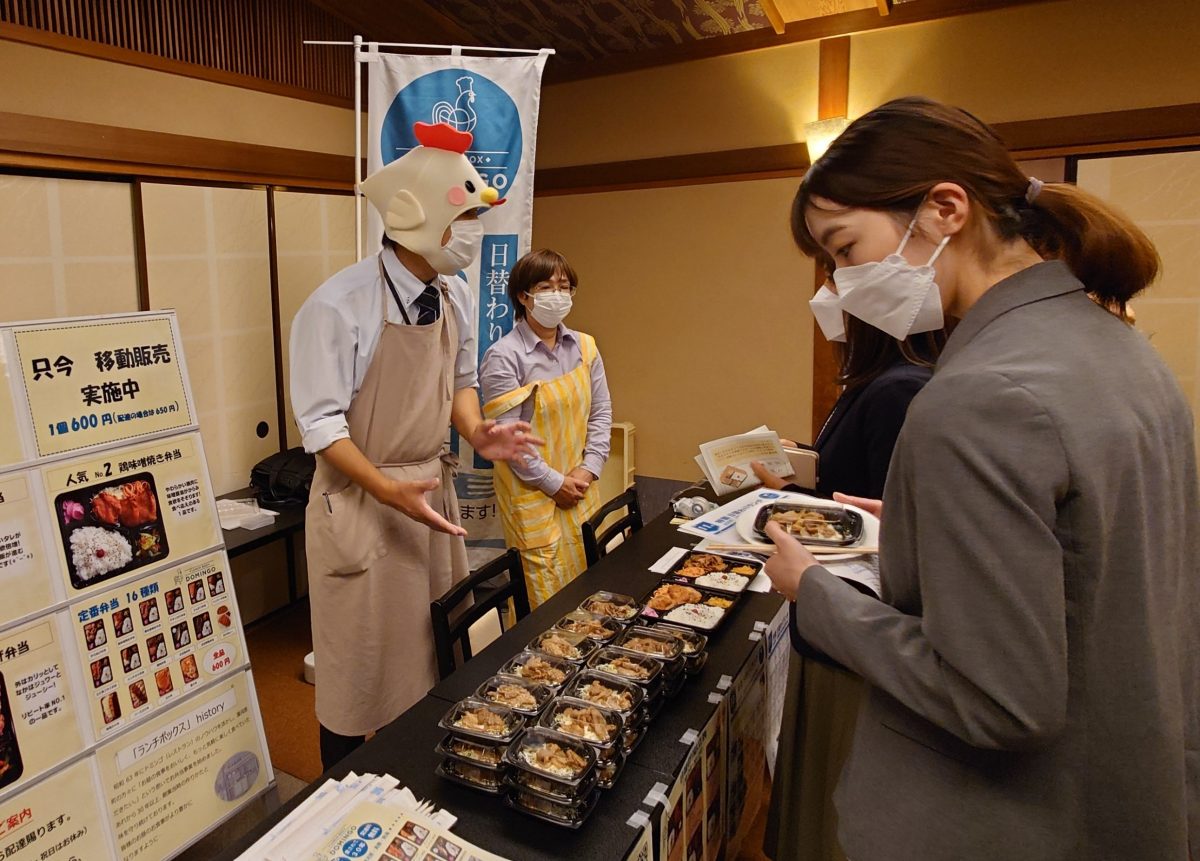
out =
column 550, row 309
column 466, row 240
column 827, row 309
column 892, row 294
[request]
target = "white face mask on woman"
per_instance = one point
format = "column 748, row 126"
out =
column 827, row 309
column 551, row 308
column 891, row 294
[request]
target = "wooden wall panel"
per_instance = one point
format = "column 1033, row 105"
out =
column 252, row 39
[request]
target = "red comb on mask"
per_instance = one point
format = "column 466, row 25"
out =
column 442, row 136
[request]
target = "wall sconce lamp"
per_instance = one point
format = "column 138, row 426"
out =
column 820, row 134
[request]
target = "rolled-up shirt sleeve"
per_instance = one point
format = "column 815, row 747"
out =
column 498, row 375
column 599, row 430
column 322, row 348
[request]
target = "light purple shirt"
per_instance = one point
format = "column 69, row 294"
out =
column 521, row 358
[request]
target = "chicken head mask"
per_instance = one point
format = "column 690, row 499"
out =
column 421, row 193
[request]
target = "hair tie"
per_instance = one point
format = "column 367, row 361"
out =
column 1034, row 189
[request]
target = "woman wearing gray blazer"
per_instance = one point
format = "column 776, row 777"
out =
column 1034, row 665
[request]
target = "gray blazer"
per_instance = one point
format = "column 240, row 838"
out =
column 1034, row 662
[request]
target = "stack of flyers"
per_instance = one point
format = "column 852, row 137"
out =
column 364, row 815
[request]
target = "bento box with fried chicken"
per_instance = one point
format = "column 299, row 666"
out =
column 715, row 571
column 704, row 610
column 111, row 529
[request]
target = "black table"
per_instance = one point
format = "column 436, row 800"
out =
column 405, row 749
column 289, row 522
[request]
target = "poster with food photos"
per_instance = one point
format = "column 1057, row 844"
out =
column 119, row 629
column 123, row 510
column 38, row 728
column 154, row 639
column 712, row 742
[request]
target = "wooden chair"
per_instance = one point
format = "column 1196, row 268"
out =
column 446, row 633
column 596, row 547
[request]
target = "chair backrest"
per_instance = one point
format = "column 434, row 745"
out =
column 450, row 627
column 595, row 547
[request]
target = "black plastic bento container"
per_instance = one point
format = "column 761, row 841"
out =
column 515, row 666
column 624, row 608
column 606, row 748
column 730, row 563
column 514, row 722
column 706, row 596
column 612, row 625
column 695, row 644
column 652, row 682
column 633, row 716
column 540, row 693
column 847, row 523
column 583, row 645
column 566, row 789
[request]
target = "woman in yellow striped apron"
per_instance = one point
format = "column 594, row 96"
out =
column 552, row 377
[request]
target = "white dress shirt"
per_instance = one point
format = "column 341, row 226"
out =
column 336, row 330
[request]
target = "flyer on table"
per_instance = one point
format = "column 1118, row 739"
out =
column 377, row 832
column 130, row 508
column 151, row 641
column 61, row 814
column 38, row 726
column 93, row 382
column 174, row 776
column 25, row 580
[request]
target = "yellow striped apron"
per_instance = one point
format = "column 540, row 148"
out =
column 547, row 536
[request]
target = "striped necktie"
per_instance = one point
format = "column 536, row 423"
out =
column 428, row 306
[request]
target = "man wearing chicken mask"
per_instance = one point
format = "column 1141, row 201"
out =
column 383, row 359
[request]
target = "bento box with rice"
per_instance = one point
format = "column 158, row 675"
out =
column 111, row 529
column 563, row 645
column 540, row 669
column 553, row 766
column 514, row 692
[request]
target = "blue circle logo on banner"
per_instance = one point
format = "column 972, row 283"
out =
column 354, row 848
column 469, row 102
column 370, row 831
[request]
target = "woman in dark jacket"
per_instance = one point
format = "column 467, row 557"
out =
column 880, row 376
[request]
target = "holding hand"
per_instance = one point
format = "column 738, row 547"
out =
column 787, row 565
column 408, row 497
column 768, row 478
column 572, row 490
column 507, row 441
column 871, row 506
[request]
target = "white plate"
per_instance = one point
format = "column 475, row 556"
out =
column 870, row 537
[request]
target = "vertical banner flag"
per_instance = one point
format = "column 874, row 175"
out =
column 496, row 100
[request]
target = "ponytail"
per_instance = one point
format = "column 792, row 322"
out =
column 1102, row 247
column 889, row 159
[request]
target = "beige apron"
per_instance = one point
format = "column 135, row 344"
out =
column 372, row 570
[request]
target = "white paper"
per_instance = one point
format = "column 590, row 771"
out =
column 663, row 565
column 727, row 461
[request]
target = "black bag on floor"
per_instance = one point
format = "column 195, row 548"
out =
column 284, row 478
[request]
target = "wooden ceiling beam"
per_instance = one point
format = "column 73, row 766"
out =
column 771, row 10
column 812, row 29
column 399, row 21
